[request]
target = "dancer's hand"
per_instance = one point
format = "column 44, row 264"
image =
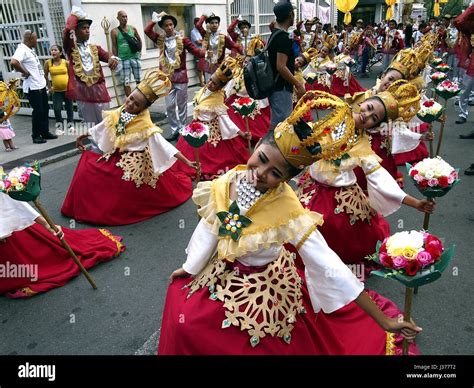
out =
column 113, row 63
column 79, row 144
column 426, row 206
column 179, row 273
column 192, row 164
column 428, row 136
column 408, row 330
column 245, row 135
column 300, row 90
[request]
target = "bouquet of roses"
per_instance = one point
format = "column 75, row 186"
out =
column 244, row 106
column 436, row 61
column 196, row 134
column 447, row 89
column 311, row 77
column 414, row 258
column 443, row 67
column 433, row 177
column 430, row 111
column 438, row 77
column 22, row 183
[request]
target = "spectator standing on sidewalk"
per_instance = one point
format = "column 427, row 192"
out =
column 465, row 25
column 282, row 61
column 57, row 67
column 127, row 44
column 28, row 64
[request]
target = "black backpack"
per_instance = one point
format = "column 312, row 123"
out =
column 134, row 44
column 258, row 74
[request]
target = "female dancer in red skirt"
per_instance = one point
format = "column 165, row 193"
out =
column 227, row 144
column 259, row 120
column 135, row 178
column 330, row 187
column 33, row 260
column 247, row 296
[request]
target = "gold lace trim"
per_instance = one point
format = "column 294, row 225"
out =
column 390, row 344
column 165, row 65
column 306, row 181
column 137, row 167
column 261, row 303
column 28, row 291
column 305, row 237
column 106, row 233
column 88, row 79
column 214, row 131
column 352, row 201
column 220, row 46
column 372, row 170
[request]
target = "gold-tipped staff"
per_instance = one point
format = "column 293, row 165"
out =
column 106, row 26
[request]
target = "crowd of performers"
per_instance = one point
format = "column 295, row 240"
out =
column 255, row 280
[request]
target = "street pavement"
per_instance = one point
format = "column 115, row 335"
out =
column 123, row 316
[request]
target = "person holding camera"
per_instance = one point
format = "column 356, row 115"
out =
column 127, row 45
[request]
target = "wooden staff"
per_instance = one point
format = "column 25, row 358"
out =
column 430, row 130
column 249, row 139
column 407, row 314
column 53, row 226
column 198, row 172
column 441, row 129
column 106, row 26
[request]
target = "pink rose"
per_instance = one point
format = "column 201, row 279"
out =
column 432, row 182
column 399, row 262
column 424, row 258
column 451, row 179
column 418, row 178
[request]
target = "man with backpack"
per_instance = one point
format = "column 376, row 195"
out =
column 127, row 45
column 282, row 62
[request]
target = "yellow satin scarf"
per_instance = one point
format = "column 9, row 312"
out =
column 277, row 217
column 140, row 128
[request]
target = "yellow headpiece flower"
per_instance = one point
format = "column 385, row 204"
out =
column 155, row 84
column 302, row 144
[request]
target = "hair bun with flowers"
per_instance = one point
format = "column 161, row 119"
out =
column 329, row 138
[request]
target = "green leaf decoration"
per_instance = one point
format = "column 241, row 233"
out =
column 234, row 208
column 222, row 216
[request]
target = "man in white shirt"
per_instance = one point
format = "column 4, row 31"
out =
column 27, row 63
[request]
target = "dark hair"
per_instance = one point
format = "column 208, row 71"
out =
column 196, row 20
column 60, row 49
column 422, row 26
column 303, row 130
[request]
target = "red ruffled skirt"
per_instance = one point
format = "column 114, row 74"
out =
column 192, row 326
column 98, row 195
column 215, row 161
column 258, row 126
column 36, row 246
column 339, row 89
column 352, row 243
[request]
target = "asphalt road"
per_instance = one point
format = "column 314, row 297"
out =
column 124, row 315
